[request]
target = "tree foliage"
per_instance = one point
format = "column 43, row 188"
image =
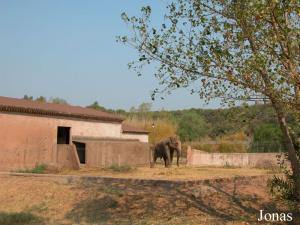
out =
column 57, row 100
column 96, row 105
column 192, row 127
column 267, row 138
column 232, row 50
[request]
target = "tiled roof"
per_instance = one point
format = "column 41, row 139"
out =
column 131, row 129
column 51, row 109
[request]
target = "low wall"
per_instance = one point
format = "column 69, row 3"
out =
column 261, row 160
column 67, row 157
column 107, row 153
column 136, row 136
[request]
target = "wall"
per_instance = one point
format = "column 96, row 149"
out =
column 107, row 153
column 67, row 157
column 198, row 158
column 26, row 141
column 135, row 136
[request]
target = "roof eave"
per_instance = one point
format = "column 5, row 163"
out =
column 32, row 111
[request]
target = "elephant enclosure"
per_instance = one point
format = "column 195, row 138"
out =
column 173, row 173
column 230, row 201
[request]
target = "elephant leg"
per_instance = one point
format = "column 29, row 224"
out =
column 165, row 161
column 171, row 155
column 168, row 157
column 154, row 160
column 178, row 156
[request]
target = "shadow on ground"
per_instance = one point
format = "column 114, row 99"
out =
column 20, row 218
column 235, row 202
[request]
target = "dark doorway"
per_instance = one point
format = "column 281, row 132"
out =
column 63, row 135
column 80, row 147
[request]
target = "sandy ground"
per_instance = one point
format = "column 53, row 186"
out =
column 173, row 173
column 230, row 201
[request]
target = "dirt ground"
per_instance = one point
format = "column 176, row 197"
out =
column 173, row 173
column 231, row 201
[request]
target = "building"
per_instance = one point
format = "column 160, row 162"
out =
column 35, row 133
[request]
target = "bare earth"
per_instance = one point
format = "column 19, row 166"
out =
column 234, row 201
column 173, row 173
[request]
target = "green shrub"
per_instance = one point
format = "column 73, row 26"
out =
column 19, row 218
column 267, row 138
column 122, row 168
column 192, row 127
column 37, row 169
column 284, row 187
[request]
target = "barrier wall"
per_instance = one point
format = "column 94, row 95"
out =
column 67, row 157
column 261, row 160
column 107, row 153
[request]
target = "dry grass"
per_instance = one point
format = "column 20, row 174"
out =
column 173, row 173
column 163, row 128
column 115, row 203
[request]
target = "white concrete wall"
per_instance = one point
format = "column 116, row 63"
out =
column 198, row 158
column 140, row 137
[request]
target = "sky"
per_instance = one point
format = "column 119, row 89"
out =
column 68, row 49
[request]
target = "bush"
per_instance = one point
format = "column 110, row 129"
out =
column 122, row 168
column 222, row 147
column 192, row 127
column 267, row 138
column 19, row 218
column 37, row 169
column 163, row 128
column 284, row 188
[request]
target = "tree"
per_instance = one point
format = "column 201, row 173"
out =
column 58, row 100
column 96, row 105
column 234, row 50
column 143, row 110
column 144, row 107
column 27, row 97
column 192, row 127
column 267, row 137
column 41, row 99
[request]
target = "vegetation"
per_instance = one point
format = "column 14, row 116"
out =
column 267, row 138
column 122, row 168
column 219, row 45
column 192, row 127
column 284, row 188
column 96, row 105
column 37, row 169
column 55, row 100
column 19, row 218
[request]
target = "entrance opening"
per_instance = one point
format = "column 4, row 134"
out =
column 80, row 147
column 63, row 135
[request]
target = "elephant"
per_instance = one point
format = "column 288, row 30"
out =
column 165, row 149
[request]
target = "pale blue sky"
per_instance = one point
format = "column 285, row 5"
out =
column 67, row 48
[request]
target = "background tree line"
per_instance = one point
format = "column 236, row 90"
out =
column 237, row 129
column 244, row 128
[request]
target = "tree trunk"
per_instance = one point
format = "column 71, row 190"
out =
column 292, row 155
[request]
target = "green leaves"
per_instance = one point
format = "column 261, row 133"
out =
column 239, row 47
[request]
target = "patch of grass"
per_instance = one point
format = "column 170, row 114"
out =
column 19, row 218
column 39, row 208
column 123, row 168
column 229, row 166
column 113, row 191
column 37, row 169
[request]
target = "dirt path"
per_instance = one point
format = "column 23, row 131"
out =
column 231, row 201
